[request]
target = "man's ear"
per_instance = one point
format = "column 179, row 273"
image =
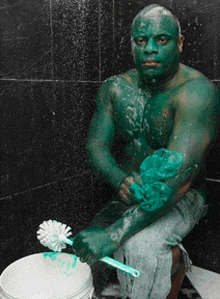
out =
column 180, row 43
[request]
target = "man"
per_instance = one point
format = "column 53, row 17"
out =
column 163, row 116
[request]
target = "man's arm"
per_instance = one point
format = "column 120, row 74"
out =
column 101, row 137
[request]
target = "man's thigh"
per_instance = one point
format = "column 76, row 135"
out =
column 170, row 229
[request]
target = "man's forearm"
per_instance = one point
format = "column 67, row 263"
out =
column 103, row 162
column 134, row 220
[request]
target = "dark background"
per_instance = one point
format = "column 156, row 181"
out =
column 55, row 54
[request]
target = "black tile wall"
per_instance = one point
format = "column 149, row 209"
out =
column 44, row 131
column 27, row 126
column 54, row 56
column 107, row 39
column 199, row 21
column 25, row 35
column 75, row 26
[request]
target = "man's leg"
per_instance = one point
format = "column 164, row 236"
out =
column 178, row 272
column 150, row 250
column 104, row 274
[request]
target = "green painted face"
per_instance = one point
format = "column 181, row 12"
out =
column 155, row 44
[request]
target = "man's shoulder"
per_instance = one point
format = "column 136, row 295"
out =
column 109, row 86
column 189, row 72
column 193, row 81
column 197, row 92
column 128, row 76
column 117, row 82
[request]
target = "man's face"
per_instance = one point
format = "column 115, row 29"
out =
column 156, row 46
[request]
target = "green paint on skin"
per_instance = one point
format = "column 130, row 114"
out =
column 153, row 191
column 68, row 266
column 155, row 39
column 118, row 235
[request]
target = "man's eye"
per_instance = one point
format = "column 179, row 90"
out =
column 162, row 40
column 141, row 41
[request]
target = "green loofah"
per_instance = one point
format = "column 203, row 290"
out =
column 154, row 170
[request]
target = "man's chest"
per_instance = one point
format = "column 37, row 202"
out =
column 150, row 115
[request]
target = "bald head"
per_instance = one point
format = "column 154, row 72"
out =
column 155, row 11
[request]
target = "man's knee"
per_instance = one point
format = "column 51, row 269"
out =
column 143, row 248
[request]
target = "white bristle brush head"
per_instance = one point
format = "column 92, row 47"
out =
column 51, row 234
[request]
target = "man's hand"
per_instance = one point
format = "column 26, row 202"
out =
column 92, row 244
column 124, row 192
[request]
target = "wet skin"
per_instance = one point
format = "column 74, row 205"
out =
column 156, row 41
column 160, row 104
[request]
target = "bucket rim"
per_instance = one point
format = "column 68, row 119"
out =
column 88, row 284
column 36, row 253
column 27, row 256
column 6, row 294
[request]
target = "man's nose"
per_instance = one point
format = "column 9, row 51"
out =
column 151, row 47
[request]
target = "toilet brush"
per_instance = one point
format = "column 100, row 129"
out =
column 54, row 235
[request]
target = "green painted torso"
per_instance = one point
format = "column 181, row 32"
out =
column 144, row 120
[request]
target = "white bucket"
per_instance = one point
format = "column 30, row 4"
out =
column 47, row 276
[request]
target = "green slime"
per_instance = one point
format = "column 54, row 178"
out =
column 153, row 191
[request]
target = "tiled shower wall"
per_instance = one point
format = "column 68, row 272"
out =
column 55, row 54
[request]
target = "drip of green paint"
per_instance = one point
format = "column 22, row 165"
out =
column 68, row 265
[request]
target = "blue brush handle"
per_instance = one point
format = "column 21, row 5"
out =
column 114, row 263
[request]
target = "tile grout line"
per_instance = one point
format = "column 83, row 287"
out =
column 113, row 24
column 213, row 180
column 63, row 81
column 63, row 180
column 52, row 61
column 215, row 58
column 100, row 50
column 51, row 41
column 48, row 80
column 40, row 187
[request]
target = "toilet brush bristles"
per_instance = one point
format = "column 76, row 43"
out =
column 54, row 234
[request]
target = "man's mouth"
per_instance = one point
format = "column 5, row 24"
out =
column 150, row 63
